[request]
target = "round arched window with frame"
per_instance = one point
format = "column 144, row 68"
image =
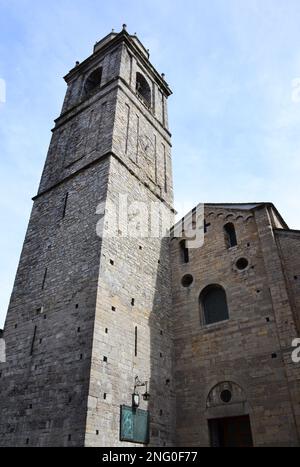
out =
column 143, row 89
column 213, row 304
column 93, row 82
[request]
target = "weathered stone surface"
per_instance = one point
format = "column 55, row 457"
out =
column 263, row 308
column 89, row 314
column 56, row 388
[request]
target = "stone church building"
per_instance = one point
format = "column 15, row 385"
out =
column 129, row 341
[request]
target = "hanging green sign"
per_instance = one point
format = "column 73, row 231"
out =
column 134, row 425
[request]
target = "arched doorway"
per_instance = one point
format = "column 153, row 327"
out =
column 228, row 416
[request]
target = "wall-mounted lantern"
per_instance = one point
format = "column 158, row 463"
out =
column 136, row 396
column 135, row 400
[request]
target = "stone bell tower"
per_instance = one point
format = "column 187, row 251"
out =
column 90, row 314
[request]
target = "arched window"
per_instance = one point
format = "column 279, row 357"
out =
column 143, row 89
column 214, row 306
column 93, row 82
column 230, row 235
column 184, row 252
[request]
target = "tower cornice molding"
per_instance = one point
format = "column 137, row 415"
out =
column 95, row 162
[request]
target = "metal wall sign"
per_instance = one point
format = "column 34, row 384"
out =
column 134, row 425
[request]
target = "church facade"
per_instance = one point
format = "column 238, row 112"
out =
column 121, row 339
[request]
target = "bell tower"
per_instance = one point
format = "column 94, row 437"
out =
column 90, row 311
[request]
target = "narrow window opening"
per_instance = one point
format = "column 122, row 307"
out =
column 113, row 308
column 105, row 359
column 133, row 302
column 44, row 278
column 185, row 257
column 33, row 340
column 65, row 205
column 206, row 225
column 230, row 235
column 136, row 341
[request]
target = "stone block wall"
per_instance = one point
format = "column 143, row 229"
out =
column 133, row 293
column 49, row 325
column 250, row 349
column 78, row 299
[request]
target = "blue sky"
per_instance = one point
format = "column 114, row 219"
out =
column 230, row 63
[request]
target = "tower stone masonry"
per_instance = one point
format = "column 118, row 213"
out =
column 88, row 315
column 95, row 311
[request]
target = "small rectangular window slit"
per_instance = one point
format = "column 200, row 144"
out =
column 44, row 278
column 65, row 205
column 136, row 341
column 33, row 340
